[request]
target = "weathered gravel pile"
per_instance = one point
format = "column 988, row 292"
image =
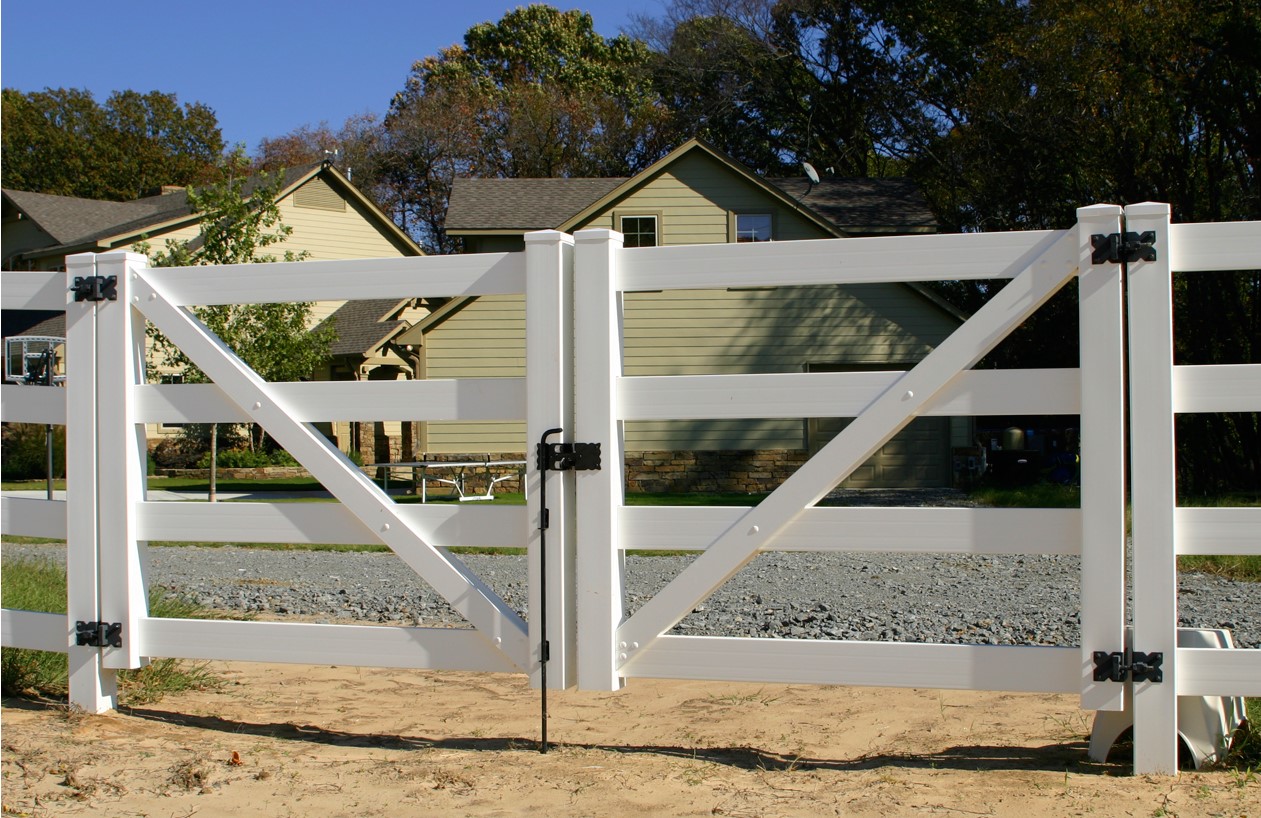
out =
column 930, row 598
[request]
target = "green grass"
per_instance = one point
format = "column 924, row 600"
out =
column 1246, row 568
column 40, row 585
column 1038, row 495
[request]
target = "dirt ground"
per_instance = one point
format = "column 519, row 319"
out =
column 282, row 740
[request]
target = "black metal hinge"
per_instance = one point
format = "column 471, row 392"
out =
column 1141, row 667
column 569, row 457
column 96, row 288
column 99, row 634
column 1117, row 248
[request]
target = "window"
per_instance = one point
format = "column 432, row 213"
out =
column 640, row 231
column 753, row 227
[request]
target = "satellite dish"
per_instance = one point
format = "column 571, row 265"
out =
column 811, row 173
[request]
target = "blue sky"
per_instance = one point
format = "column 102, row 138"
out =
column 265, row 67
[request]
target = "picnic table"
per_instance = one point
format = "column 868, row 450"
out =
column 460, row 471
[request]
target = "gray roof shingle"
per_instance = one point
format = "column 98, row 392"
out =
column 71, row 221
column 362, row 326
column 522, row 204
column 862, row 205
column 852, row 205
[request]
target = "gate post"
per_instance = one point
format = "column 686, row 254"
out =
column 549, row 262
column 123, row 451
column 1102, row 367
column 597, row 367
column 1149, row 288
column 93, row 688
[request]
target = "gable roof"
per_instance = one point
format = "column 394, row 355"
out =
column 522, row 205
column 364, row 326
column 838, row 206
column 864, row 205
column 75, row 225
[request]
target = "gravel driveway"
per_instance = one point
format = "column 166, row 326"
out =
column 947, row 598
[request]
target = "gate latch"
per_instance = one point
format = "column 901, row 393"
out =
column 95, row 288
column 569, row 457
column 1141, row 667
column 99, row 634
column 1118, row 248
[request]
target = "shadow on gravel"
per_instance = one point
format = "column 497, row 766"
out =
column 1059, row 757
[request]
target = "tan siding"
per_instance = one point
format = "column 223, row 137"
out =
column 21, row 235
column 329, row 234
column 486, row 339
column 695, row 197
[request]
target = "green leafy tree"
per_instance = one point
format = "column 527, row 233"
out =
column 539, row 93
column 61, row 141
column 240, row 222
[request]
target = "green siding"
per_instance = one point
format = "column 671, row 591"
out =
column 694, row 332
column 695, row 197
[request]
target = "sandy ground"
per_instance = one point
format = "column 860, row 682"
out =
column 332, row 741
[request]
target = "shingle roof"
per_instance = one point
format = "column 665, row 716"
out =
column 852, row 205
column 71, row 221
column 32, row 323
column 863, row 205
column 522, row 204
column 68, row 220
column 363, row 326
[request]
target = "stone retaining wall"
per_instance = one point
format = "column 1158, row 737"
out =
column 735, row 471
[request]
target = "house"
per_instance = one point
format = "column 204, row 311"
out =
column 329, row 217
column 366, row 349
column 697, row 195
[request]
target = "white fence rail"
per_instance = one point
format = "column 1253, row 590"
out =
column 573, row 289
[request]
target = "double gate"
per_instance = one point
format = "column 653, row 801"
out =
column 573, row 289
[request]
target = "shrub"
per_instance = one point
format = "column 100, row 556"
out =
column 247, row 459
column 25, row 451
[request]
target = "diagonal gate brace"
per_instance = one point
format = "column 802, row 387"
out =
column 1041, row 274
column 494, row 619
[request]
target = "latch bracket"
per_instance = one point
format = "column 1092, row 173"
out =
column 569, row 457
column 95, row 288
column 98, row 634
column 1123, row 248
column 1140, row 667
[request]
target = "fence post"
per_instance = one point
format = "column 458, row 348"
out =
column 93, row 688
column 598, row 365
column 122, row 452
column 549, row 405
column 1102, row 366
column 1150, row 295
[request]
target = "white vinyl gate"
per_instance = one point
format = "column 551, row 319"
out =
column 573, row 288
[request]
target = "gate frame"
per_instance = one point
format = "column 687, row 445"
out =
column 573, row 290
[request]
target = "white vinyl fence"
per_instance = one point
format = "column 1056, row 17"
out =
column 573, row 288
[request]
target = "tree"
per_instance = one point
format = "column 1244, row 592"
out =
column 778, row 82
column 538, row 93
column 61, row 141
column 239, row 221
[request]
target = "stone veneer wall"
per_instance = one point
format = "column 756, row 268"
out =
column 728, row 471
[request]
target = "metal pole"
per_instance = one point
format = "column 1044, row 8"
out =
column 49, row 358
column 544, row 646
